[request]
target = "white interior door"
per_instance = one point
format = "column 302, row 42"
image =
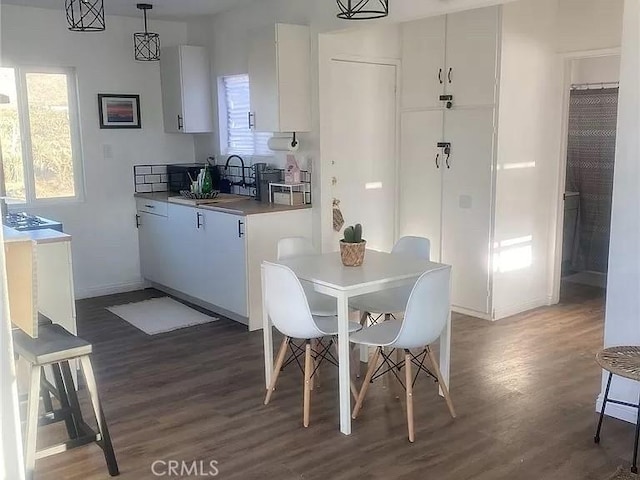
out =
column 423, row 52
column 472, row 55
column 466, row 205
column 363, row 147
column 421, row 167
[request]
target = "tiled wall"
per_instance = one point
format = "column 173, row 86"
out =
column 150, row 178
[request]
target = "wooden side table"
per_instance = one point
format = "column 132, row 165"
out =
column 625, row 362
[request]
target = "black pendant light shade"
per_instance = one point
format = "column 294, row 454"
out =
column 363, row 9
column 85, row 15
column 146, row 44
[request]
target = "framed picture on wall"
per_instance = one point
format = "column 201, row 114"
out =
column 119, row 111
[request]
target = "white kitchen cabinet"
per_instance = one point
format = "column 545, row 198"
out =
column 450, row 55
column 152, row 253
column 423, row 63
column 472, row 56
column 184, row 243
column 212, row 258
column 486, row 209
column 186, row 89
column 421, row 167
column 225, row 262
column 467, row 192
column 279, row 79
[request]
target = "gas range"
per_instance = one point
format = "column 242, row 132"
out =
column 22, row 222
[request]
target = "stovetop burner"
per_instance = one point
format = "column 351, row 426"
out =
column 23, row 221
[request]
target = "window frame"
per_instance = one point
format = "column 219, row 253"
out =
column 22, row 98
column 223, row 130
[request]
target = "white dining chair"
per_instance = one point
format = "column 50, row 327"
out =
column 425, row 318
column 388, row 302
column 288, row 308
column 292, row 247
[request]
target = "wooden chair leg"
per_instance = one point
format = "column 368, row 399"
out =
column 408, row 380
column 308, row 370
column 105, row 442
column 441, row 382
column 365, row 383
column 364, row 316
column 32, row 422
column 276, row 368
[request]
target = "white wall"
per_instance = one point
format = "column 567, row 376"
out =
column 105, row 240
column 589, row 24
column 529, row 130
column 605, row 69
column 622, row 321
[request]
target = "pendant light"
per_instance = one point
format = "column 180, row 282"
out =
column 85, row 15
column 363, row 9
column 146, row 44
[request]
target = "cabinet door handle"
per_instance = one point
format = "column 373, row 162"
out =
column 250, row 117
column 240, row 232
column 449, row 74
column 137, row 221
column 150, row 206
column 198, row 222
column 437, row 160
column 180, row 124
column 447, row 161
column 440, row 76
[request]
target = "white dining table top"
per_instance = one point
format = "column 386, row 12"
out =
column 378, row 268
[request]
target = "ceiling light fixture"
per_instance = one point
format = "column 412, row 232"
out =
column 85, row 15
column 146, row 44
column 363, row 9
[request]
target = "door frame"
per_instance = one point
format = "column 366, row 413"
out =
column 558, row 236
column 326, row 142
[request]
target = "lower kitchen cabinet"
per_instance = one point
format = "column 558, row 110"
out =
column 212, row 258
column 225, row 262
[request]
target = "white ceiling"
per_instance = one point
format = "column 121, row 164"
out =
column 163, row 9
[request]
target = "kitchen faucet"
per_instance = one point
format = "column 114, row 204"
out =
column 243, row 183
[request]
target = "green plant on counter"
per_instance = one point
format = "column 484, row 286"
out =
column 353, row 234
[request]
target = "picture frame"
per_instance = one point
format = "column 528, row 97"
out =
column 119, row 111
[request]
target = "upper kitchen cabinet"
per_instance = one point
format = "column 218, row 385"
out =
column 423, row 63
column 453, row 55
column 279, row 78
column 186, row 89
column 472, row 56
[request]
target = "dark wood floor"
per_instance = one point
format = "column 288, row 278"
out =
column 524, row 389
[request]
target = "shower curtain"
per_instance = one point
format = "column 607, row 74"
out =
column 591, row 153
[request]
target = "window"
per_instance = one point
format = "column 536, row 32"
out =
column 39, row 134
column 235, row 135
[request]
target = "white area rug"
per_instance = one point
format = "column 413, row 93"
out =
column 160, row 315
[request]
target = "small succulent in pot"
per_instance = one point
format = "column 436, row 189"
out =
column 352, row 246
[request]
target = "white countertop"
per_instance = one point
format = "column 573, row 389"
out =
column 38, row 236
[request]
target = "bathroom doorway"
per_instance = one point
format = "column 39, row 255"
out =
column 591, row 144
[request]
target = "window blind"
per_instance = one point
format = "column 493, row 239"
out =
column 241, row 139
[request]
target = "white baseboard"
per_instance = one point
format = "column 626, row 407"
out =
column 621, row 412
column 510, row 310
column 471, row 313
column 103, row 290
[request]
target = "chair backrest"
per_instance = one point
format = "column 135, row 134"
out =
column 427, row 310
column 418, row 247
column 287, row 304
column 295, row 247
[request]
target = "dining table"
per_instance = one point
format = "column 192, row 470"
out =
column 327, row 275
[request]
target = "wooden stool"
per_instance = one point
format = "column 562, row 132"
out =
column 56, row 347
column 624, row 362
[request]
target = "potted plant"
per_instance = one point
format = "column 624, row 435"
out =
column 352, row 246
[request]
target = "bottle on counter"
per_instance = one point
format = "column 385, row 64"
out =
column 207, row 181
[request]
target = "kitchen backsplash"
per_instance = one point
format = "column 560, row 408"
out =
column 150, row 178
